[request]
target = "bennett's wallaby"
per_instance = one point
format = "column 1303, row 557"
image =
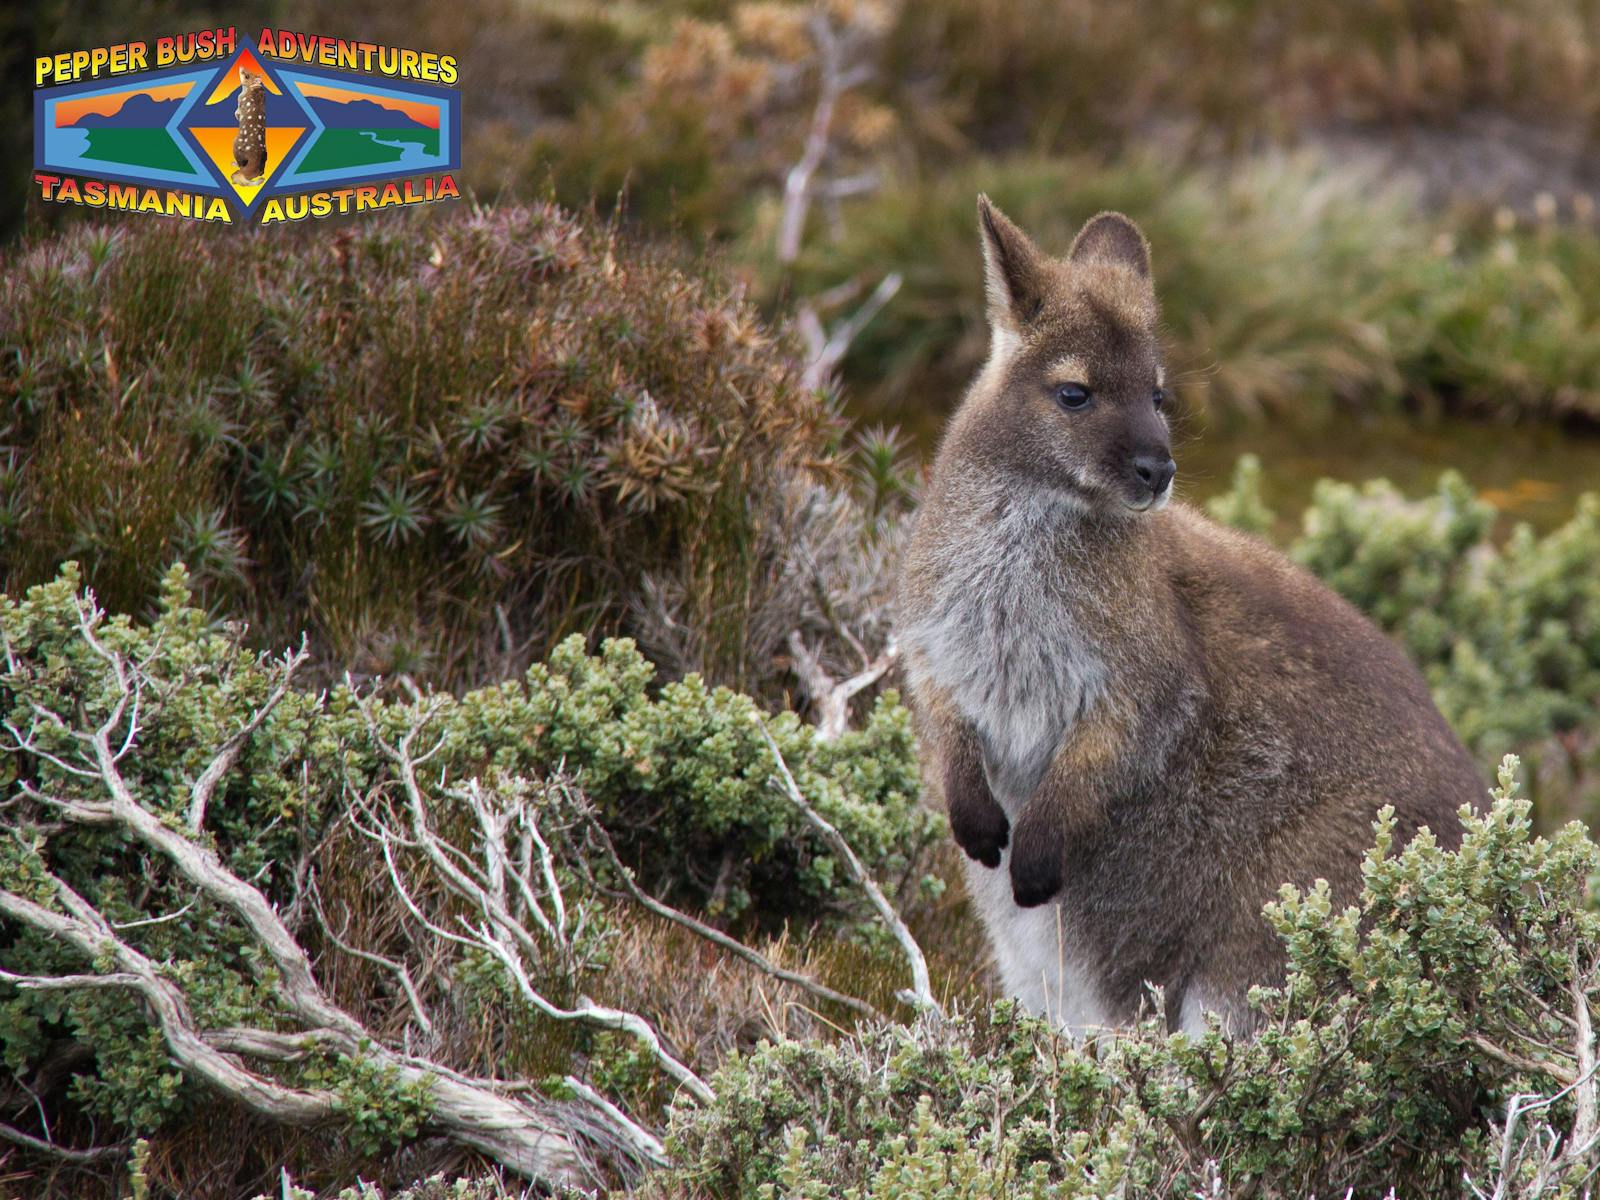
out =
column 1142, row 723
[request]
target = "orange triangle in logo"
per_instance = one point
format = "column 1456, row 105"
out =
column 218, row 145
column 229, row 83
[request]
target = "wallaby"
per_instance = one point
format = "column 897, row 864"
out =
column 1142, row 723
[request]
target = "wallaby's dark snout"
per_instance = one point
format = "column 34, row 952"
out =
column 1154, row 471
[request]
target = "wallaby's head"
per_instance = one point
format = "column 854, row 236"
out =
column 1071, row 396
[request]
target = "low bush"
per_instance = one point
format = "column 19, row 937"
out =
column 1435, row 1040
column 437, row 1187
column 1436, row 1034
column 289, row 792
column 438, row 447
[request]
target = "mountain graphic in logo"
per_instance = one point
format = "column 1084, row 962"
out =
column 117, row 127
column 137, row 110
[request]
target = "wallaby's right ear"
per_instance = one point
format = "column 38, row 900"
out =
column 1110, row 237
column 1013, row 269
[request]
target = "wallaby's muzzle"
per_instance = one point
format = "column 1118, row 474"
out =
column 1151, row 476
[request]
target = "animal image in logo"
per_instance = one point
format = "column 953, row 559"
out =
column 250, row 143
column 248, row 140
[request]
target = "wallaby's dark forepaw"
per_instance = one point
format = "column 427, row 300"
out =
column 977, row 821
column 1036, row 853
column 980, row 830
column 1036, row 884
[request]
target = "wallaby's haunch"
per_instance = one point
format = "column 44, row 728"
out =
column 1142, row 723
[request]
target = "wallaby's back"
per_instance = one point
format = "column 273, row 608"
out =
column 1307, row 721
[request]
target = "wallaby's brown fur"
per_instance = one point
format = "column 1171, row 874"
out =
column 1142, row 723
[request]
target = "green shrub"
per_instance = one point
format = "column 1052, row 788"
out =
column 1506, row 631
column 680, row 776
column 1405, row 1027
column 436, row 1187
column 439, row 447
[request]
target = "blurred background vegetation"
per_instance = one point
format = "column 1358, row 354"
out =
column 672, row 369
column 1383, row 212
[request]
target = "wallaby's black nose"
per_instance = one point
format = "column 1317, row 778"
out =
column 1155, row 471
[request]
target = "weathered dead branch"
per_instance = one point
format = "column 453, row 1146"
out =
column 920, row 995
column 830, row 698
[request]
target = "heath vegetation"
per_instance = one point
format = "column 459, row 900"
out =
column 331, row 927
column 435, row 449
column 345, row 936
column 342, row 922
column 448, row 738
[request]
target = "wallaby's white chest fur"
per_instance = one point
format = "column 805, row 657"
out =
column 1004, row 637
column 1035, row 954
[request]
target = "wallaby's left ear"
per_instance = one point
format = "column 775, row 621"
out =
column 1112, row 238
column 1013, row 267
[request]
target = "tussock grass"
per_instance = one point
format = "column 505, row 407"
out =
column 1288, row 287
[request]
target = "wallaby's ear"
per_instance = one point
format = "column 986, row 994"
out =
column 1112, row 238
column 1013, row 269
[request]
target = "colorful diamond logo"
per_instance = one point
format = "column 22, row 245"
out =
column 248, row 128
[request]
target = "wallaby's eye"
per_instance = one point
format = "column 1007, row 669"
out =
column 1159, row 397
column 1072, row 395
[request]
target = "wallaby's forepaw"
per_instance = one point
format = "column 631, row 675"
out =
column 1036, row 867
column 981, row 830
column 977, row 821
